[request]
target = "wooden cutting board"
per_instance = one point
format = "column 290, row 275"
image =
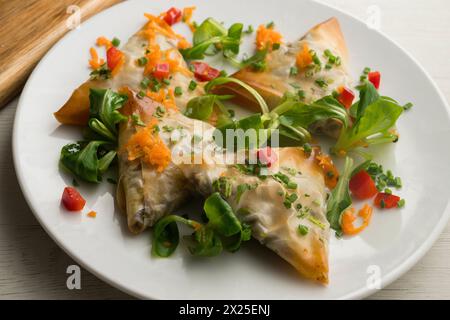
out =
column 28, row 28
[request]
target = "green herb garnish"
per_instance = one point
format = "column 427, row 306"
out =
column 303, row 230
column 192, row 85
column 115, row 42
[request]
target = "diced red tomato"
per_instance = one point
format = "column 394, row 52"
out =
column 375, row 78
column 162, row 70
column 172, row 16
column 203, row 72
column 386, row 201
column 362, row 185
column 72, row 199
column 267, row 156
column 346, row 97
column 113, row 56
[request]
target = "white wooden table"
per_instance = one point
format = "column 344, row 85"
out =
column 33, row 267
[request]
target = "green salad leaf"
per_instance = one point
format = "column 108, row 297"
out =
column 166, row 236
column 104, row 114
column 87, row 161
column 257, row 62
column 372, row 127
column 207, row 30
column 375, row 116
column 202, row 107
column 220, row 216
column 211, row 37
column 205, row 242
column 223, row 80
column 340, row 198
column 222, row 231
column 368, row 94
column 295, row 117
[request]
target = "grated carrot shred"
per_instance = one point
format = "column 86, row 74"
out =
column 184, row 44
column 148, row 145
column 159, row 25
column 304, row 57
column 349, row 217
column 187, row 17
column 156, row 24
column 92, row 214
column 104, row 42
column 153, row 56
column 167, row 99
column 94, row 62
column 267, row 37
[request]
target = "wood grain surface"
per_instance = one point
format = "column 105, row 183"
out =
column 33, row 267
column 28, row 28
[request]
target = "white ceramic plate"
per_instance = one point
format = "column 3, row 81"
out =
column 392, row 244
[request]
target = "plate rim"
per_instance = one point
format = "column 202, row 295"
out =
column 363, row 292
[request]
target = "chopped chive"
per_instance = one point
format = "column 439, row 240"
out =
column 270, row 25
column 223, row 73
column 141, row 94
column 316, row 222
column 142, row 61
column 401, row 203
column 168, row 129
column 249, row 29
column 292, row 198
column 388, row 191
column 408, row 106
column 178, row 91
column 166, row 82
column 303, row 230
column 321, row 83
column 292, row 185
column 293, row 71
column 307, row 148
column 316, row 59
column 276, row 46
column 192, row 85
column 398, row 182
column 137, row 120
column 301, row 94
column 115, row 42
column 145, row 83
column 287, row 204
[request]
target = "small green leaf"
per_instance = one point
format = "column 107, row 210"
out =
column 340, row 199
column 220, row 215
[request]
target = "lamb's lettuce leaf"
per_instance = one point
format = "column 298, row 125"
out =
column 222, row 231
column 211, row 37
column 340, row 198
column 87, row 161
column 373, row 126
column 104, row 113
